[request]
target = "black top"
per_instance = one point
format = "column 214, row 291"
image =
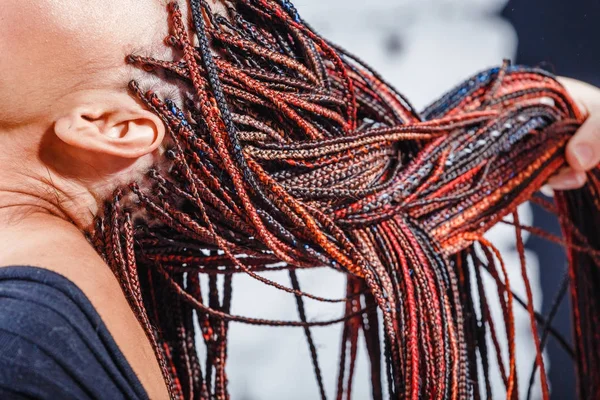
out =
column 53, row 343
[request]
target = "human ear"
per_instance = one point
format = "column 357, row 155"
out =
column 111, row 124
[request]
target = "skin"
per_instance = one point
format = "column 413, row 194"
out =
column 70, row 134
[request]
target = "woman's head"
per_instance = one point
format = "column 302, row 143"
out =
column 53, row 48
column 63, row 79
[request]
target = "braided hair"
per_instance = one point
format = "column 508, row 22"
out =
column 288, row 153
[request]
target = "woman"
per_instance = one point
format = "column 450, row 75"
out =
column 70, row 135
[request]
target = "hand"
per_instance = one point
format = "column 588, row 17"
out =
column 583, row 150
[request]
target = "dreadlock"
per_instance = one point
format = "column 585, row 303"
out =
column 289, row 154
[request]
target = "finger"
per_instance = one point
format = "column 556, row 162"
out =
column 583, row 150
column 567, row 179
column 581, row 92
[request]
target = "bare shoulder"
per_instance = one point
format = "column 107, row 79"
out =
column 61, row 248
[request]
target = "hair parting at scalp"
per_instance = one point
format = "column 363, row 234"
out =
column 291, row 154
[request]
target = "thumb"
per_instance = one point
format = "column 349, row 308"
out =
column 583, row 150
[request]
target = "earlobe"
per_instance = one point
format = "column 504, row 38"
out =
column 126, row 132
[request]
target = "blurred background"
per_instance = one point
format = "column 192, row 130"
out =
column 423, row 48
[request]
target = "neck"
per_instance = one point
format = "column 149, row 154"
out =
column 29, row 189
column 28, row 197
column 40, row 224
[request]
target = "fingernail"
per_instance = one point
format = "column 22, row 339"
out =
column 584, row 155
column 547, row 191
column 568, row 181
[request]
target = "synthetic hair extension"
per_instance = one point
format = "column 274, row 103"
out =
column 291, row 154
